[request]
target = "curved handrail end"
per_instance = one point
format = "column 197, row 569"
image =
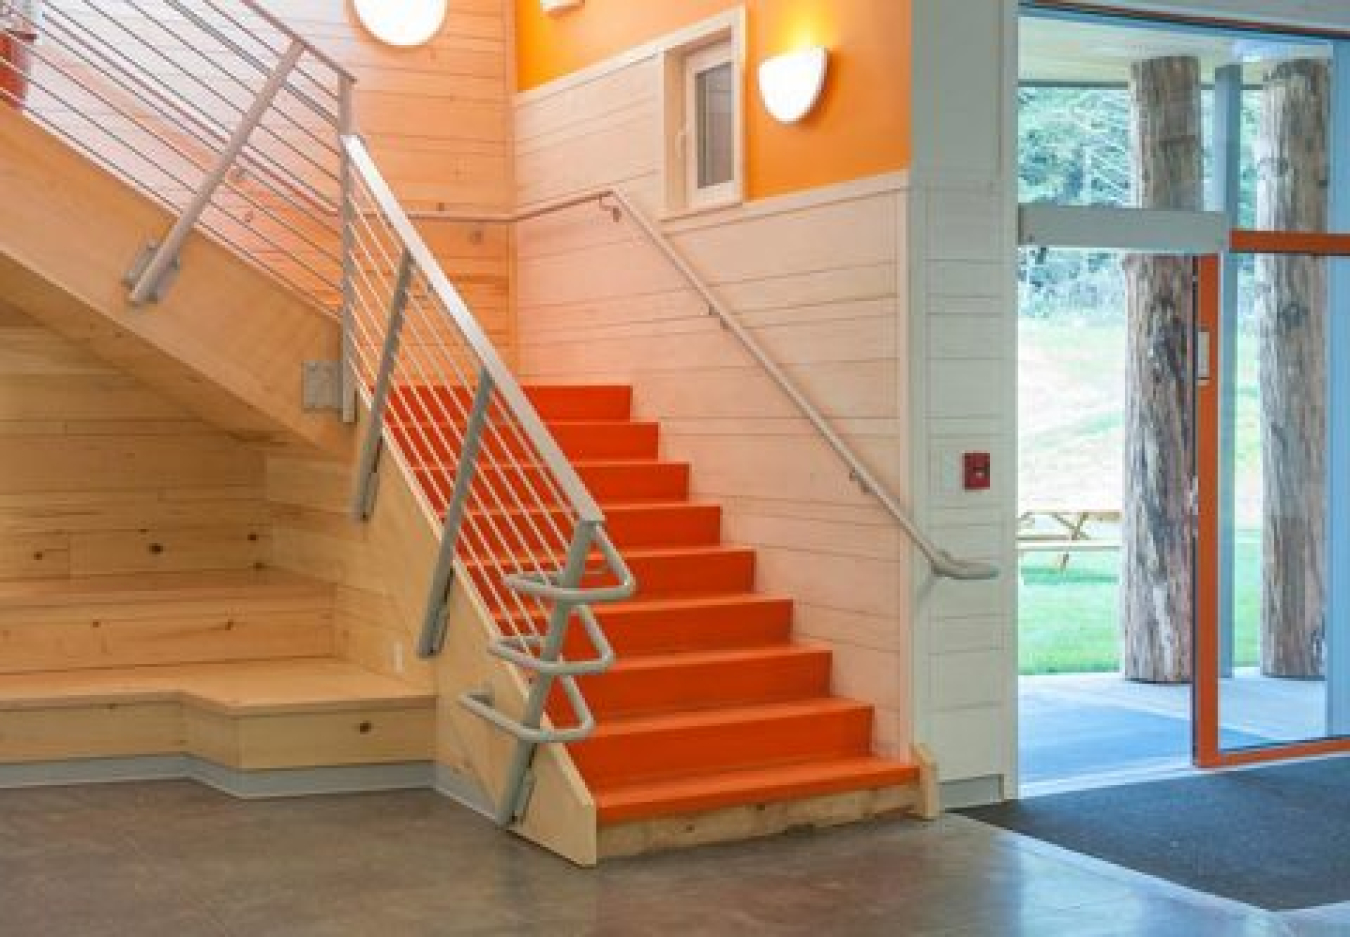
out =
column 949, row 567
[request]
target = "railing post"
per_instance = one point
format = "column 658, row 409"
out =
column 574, row 568
column 147, row 274
column 363, row 495
column 346, row 127
column 433, row 621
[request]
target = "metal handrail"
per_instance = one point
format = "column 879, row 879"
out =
column 943, row 563
column 501, row 376
column 401, row 286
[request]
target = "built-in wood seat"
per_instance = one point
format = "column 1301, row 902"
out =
column 237, row 668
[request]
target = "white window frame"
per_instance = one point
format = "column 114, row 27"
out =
column 718, row 41
column 697, row 64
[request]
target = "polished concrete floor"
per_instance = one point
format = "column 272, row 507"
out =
column 144, row 860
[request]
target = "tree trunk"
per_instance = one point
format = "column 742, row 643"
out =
column 1292, row 311
column 1156, row 531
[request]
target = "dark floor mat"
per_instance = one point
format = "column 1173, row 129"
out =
column 1277, row 837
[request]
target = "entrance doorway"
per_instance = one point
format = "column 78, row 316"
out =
column 1161, row 628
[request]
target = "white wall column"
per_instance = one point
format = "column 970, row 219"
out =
column 963, row 340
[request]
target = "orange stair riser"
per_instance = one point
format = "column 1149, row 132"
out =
column 505, row 488
column 659, row 576
column 752, row 623
column 659, row 526
column 426, row 402
column 705, row 685
column 633, row 806
column 631, row 756
column 426, row 442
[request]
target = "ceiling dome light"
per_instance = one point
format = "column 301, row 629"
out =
column 790, row 84
column 402, row 23
column 559, row 6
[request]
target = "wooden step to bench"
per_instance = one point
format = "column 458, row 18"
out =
column 162, row 618
column 247, row 715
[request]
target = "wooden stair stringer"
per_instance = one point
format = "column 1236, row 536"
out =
column 403, row 531
column 226, row 341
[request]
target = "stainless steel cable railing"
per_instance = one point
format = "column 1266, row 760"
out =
column 244, row 131
column 217, row 110
column 517, row 520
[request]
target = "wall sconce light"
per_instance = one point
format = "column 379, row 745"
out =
column 559, row 6
column 402, row 23
column 790, row 84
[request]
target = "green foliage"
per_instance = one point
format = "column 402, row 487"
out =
column 1074, row 149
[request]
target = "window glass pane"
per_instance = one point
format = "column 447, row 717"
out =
column 716, row 125
column 1076, row 127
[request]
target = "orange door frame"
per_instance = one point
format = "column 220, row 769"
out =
column 1208, row 752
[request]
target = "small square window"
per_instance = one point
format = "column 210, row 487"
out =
column 703, row 127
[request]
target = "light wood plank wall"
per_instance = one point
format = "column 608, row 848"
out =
column 437, row 119
column 819, row 280
column 103, row 476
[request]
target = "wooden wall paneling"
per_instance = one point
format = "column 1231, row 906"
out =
column 103, row 476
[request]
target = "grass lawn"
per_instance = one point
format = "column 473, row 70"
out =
column 1068, row 621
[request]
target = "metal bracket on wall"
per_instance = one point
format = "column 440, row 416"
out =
column 142, row 261
column 321, row 385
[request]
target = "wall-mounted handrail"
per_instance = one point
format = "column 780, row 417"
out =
column 619, row 204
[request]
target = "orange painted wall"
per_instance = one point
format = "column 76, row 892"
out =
column 862, row 125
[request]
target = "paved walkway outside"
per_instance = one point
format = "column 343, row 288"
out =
column 1099, row 726
column 178, row 859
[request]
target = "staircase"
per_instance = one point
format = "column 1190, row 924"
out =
column 603, row 675
column 712, row 714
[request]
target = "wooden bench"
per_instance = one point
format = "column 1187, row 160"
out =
column 1071, row 533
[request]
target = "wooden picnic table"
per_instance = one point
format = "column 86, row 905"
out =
column 1069, row 531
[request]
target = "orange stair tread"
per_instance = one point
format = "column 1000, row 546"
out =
column 635, row 553
column 629, row 801
column 693, row 658
column 654, row 505
column 578, row 464
column 684, row 602
column 724, row 715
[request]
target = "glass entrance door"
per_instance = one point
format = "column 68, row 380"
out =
column 1273, row 626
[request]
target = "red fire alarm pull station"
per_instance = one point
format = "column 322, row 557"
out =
column 976, row 472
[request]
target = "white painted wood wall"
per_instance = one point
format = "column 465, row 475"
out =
column 963, row 336
column 820, row 280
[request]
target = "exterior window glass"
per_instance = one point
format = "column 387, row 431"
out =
column 716, row 125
